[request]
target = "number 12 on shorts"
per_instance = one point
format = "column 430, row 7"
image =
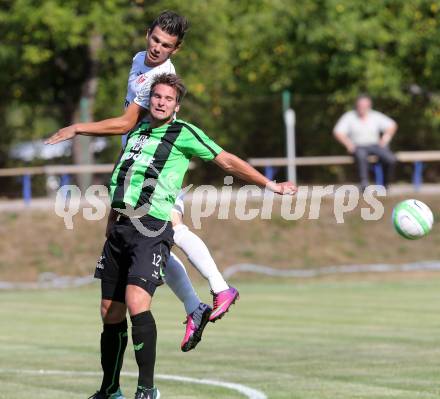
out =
column 157, row 261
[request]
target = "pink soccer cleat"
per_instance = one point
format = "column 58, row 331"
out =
column 195, row 324
column 222, row 302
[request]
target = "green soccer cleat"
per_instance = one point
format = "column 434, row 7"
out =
column 117, row 395
column 99, row 395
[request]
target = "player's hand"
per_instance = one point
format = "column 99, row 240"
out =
column 285, row 188
column 66, row 133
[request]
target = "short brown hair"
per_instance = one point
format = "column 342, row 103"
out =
column 172, row 80
column 171, row 23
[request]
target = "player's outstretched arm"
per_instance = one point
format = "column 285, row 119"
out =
column 236, row 166
column 119, row 125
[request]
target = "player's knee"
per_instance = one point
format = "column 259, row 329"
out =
column 112, row 312
column 179, row 233
column 137, row 299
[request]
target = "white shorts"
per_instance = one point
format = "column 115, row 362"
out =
column 178, row 205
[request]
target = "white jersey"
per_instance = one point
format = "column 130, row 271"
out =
column 140, row 78
column 139, row 82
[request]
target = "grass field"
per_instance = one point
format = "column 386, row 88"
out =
column 289, row 339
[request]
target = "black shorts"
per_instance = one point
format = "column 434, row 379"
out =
column 136, row 252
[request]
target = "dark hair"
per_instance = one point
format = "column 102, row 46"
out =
column 170, row 79
column 171, row 23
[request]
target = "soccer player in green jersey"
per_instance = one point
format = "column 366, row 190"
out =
column 143, row 189
column 164, row 38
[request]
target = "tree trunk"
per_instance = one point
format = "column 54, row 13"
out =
column 82, row 153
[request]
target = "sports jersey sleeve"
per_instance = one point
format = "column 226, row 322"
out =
column 195, row 143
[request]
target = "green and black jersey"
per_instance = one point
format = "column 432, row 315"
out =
column 150, row 171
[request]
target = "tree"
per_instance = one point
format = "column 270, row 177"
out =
column 51, row 52
column 237, row 58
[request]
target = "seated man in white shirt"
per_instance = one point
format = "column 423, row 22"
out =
column 365, row 132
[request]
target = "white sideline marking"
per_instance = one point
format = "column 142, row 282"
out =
column 432, row 266
column 250, row 393
column 51, row 280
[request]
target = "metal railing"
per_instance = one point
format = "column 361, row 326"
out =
column 418, row 158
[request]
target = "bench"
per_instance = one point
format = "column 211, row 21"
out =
column 418, row 158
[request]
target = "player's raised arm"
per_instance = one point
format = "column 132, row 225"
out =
column 243, row 170
column 119, row 125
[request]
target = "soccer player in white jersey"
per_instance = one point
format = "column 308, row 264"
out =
column 164, row 38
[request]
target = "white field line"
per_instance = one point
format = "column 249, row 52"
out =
column 51, row 280
column 48, row 280
column 331, row 270
column 249, row 393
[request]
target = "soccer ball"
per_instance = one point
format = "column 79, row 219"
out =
column 412, row 219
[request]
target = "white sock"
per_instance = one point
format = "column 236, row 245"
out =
column 178, row 280
column 198, row 254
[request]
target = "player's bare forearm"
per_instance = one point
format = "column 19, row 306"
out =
column 112, row 126
column 243, row 170
column 103, row 128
